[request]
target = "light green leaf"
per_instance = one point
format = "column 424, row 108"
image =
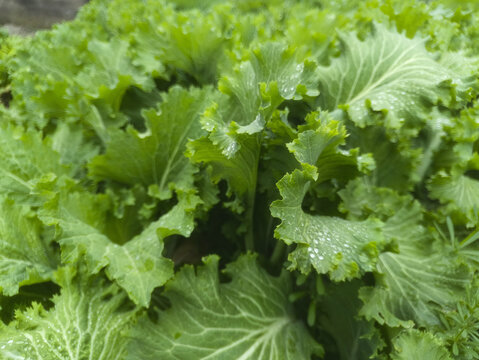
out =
column 26, row 162
column 254, row 89
column 239, row 170
column 272, row 74
column 323, row 140
column 387, row 71
column 247, row 318
column 25, row 256
column 401, row 214
column 460, row 196
column 81, row 219
column 138, row 266
column 110, row 72
column 395, row 161
column 251, row 92
column 156, row 157
column 89, row 321
column 196, row 43
column 318, row 144
column 361, row 199
column 73, row 146
column 411, row 285
column 344, row 249
column 418, row 345
column 41, row 75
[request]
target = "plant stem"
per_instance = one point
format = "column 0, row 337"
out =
column 249, row 240
column 278, row 252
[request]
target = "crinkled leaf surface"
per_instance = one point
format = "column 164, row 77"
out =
column 393, row 168
column 138, row 265
column 311, row 144
column 402, row 214
column 196, row 43
column 247, row 318
column 272, row 74
column 318, row 144
column 459, row 194
column 25, row 161
column 411, row 285
column 89, row 321
column 237, row 170
column 145, row 131
column 344, row 249
column 113, row 70
column 387, row 71
column 253, row 90
column 156, row 157
column 25, row 256
column 419, row 345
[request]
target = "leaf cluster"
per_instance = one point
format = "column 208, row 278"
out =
column 242, row 180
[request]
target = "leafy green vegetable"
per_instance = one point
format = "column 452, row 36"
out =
column 242, row 180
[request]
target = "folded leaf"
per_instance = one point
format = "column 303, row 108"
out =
column 138, row 266
column 253, row 90
column 113, row 73
column 156, row 157
column 344, row 249
column 25, row 256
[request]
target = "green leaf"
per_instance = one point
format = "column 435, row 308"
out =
column 74, row 146
column 27, row 162
column 318, row 144
column 460, row 196
column 412, row 285
column 41, row 74
column 252, row 91
column 395, row 161
column 196, row 43
column 386, row 72
column 26, row 257
column 355, row 338
column 156, row 157
column 89, row 321
column 402, row 214
column 138, row 266
column 322, row 141
column 113, row 73
column 344, row 249
column 247, row 318
column 239, row 170
column 418, row 345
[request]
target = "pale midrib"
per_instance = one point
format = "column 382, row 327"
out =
column 265, row 338
column 17, row 179
column 137, row 271
column 398, row 282
column 392, row 71
column 172, row 156
column 272, row 330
